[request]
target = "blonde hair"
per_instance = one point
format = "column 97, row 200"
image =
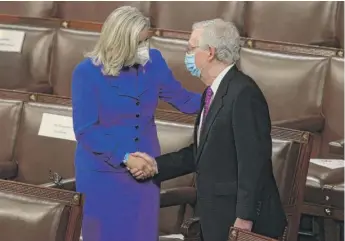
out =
column 118, row 42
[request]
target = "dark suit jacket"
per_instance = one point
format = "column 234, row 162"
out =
column 233, row 166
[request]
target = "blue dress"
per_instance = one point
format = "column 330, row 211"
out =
column 113, row 116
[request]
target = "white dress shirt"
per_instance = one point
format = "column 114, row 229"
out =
column 214, row 87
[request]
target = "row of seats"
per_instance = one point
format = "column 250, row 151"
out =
column 316, row 22
column 28, row 157
column 304, row 88
column 33, row 157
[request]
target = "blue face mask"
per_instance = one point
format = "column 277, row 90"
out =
column 189, row 60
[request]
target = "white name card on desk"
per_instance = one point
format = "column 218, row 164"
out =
column 11, row 40
column 329, row 163
column 57, row 126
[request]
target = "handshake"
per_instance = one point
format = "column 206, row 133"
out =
column 141, row 165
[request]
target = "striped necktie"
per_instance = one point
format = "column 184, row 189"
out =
column 207, row 104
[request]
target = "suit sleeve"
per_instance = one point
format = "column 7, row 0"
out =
column 89, row 133
column 171, row 90
column 252, row 134
column 175, row 164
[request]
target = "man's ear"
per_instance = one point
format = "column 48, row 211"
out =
column 212, row 53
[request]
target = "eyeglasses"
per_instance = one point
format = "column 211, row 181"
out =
column 190, row 49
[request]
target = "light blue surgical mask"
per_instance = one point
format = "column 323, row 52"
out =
column 189, row 61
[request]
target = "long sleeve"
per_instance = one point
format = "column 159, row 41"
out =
column 171, row 90
column 89, row 133
column 175, row 164
column 252, row 127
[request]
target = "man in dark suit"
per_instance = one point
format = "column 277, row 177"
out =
column 232, row 148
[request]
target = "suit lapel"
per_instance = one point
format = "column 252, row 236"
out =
column 215, row 107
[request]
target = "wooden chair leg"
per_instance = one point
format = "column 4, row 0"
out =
column 331, row 230
column 293, row 226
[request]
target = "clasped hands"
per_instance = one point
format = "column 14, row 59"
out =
column 141, row 165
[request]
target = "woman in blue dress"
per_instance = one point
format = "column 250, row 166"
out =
column 115, row 92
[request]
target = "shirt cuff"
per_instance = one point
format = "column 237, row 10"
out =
column 117, row 159
column 125, row 159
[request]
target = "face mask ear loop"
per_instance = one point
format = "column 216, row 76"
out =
column 205, row 63
column 203, row 66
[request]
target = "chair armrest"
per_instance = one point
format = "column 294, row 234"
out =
column 177, row 196
column 190, row 228
column 336, row 147
column 236, row 234
column 311, row 123
column 65, row 184
column 8, row 170
column 38, row 88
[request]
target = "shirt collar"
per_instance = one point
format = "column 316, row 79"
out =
column 219, row 78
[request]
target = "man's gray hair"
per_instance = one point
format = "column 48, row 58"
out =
column 221, row 35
